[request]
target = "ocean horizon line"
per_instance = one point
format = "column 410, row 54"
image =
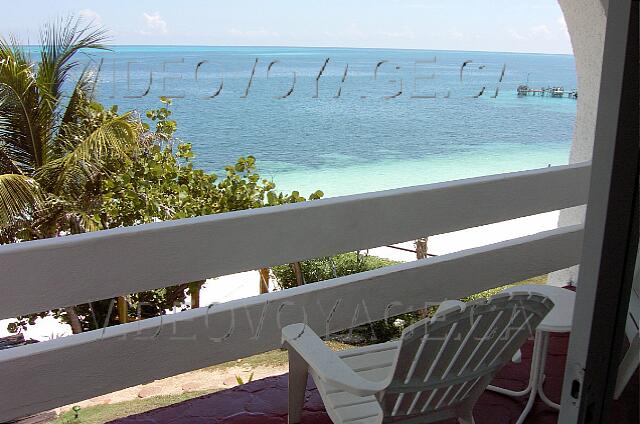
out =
column 325, row 47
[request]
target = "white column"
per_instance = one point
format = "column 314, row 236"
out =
column 586, row 24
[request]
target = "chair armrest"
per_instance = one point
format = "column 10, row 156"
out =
column 449, row 305
column 517, row 357
column 325, row 363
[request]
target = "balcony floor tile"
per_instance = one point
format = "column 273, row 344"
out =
column 265, row 401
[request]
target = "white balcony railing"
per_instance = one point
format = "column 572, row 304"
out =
column 54, row 273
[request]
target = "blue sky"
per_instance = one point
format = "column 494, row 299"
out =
column 494, row 25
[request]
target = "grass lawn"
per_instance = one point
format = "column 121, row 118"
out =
column 275, row 358
column 102, row 413
column 488, row 293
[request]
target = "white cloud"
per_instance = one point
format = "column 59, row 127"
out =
column 454, row 34
column 540, row 30
column 351, row 32
column 402, row 33
column 419, row 4
column 564, row 30
column 154, row 24
column 90, row 16
column 515, row 34
column 562, row 24
column 261, row 32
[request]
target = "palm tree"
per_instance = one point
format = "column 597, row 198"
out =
column 52, row 146
column 56, row 143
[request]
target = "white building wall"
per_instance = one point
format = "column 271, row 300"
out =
column 586, row 24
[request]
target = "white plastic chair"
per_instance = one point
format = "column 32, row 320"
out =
column 631, row 360
column 437, row 370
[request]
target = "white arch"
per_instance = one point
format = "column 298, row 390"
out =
column 586, row 21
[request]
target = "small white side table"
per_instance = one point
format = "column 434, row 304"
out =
column 557, row 321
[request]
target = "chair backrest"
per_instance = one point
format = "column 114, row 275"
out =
column 631, row 359
column 446, row 362
column 633, row 321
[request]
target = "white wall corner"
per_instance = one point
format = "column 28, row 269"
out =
column 586, row 22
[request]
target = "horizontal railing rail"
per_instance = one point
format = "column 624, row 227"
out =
column 65, row 271
column 46, row 375
column 71, row 270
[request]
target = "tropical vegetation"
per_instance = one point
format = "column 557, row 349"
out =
column 330, row 267
column 70, row 165
column 321, row 269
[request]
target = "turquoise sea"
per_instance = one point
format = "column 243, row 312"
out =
column 374, row 119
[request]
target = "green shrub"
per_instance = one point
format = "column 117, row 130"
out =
column 338, row 266
column 327, row 268
column 352, row 263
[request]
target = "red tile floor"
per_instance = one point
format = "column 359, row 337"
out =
column 265, row 401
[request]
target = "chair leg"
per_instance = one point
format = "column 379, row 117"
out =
column 298, row 372
column 466, row 418
column 627, row 367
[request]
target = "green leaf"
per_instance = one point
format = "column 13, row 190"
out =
column 18, row 196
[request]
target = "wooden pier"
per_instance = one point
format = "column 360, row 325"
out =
column 559, row 92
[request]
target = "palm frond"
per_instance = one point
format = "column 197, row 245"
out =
column 81, row 96
column 7, row 164
column 20, row 123
column 13, row 49
column 31, row 94
column 115, row 139
column 64, row 176
column 61, row 40
column 53, row 152
column 88, row 222
column 19, row 195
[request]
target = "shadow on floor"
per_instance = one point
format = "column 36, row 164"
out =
column 265, row 401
